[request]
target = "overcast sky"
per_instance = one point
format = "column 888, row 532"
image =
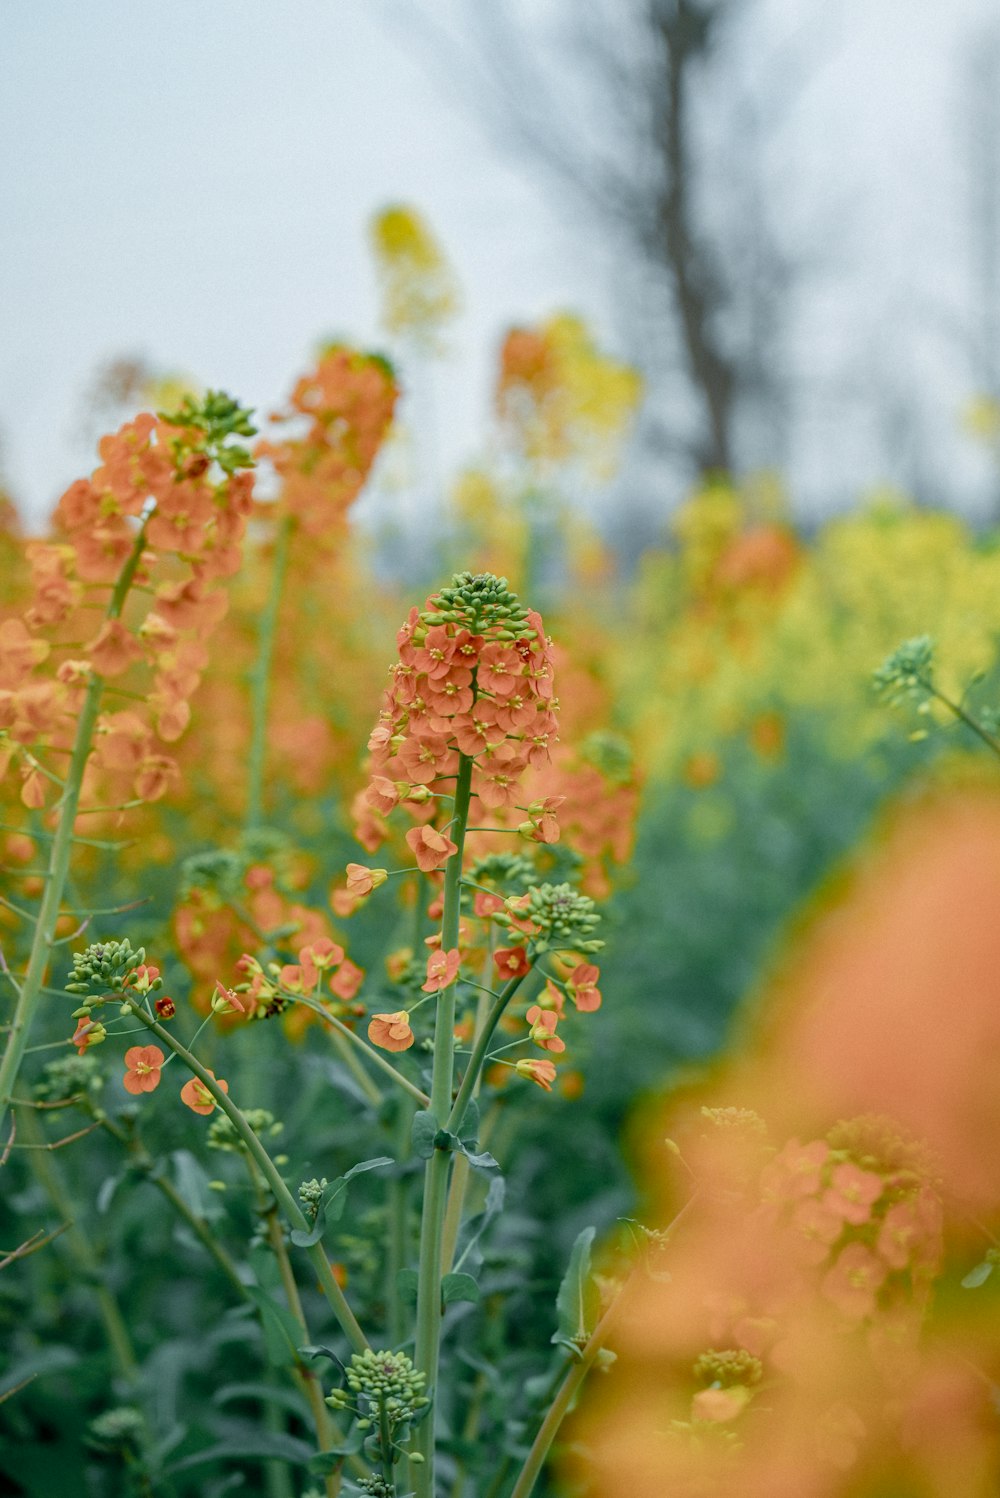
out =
column 192, row 182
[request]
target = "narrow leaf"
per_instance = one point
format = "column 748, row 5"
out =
column 577, row 1302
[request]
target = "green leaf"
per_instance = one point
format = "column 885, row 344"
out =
column 423, row 1133
column 282, row 1333
column 484, row 1161
column 456, row 1287
column 577, row 1302
column 290, row 1399
column 476, row 1226
column 470, row 1123
column 977, row 1276
column 256, row 1445
column 108, row 1188
column 46, row 1360
column 406, row 1284
column 192, row 1186
column 325, row 1462
column 334, row 1200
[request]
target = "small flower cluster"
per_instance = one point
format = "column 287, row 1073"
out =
column 908, row 671
column 388, row 1399
column 222, row 1133
column 419, row 293
column 862, row 1221
column 474, row 678
column 173, row 483
column 270, row 990
column 102, row 971
column 348, row 402
column 110, row 969
column 310, row 1194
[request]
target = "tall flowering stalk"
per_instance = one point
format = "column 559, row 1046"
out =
column 178, row 484
column 470, row 708
column 328, row 438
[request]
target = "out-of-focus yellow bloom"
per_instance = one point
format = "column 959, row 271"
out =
column 981, row 418
column 419, row 289
column 562, row 399
column 744, row 619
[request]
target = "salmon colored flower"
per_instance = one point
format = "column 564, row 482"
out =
column 430, row 848
column 361, row 880
column 819, row 1227
column 142, row 1068
column 543, row 1073
column 227, row 1001
column 382, row 794
column 795, row 1171
column 347, row 980
column 852, row 1192
column 88, row 1033
column 485, row 904
column 854, row 1281
column 33, row 789
column 114, row 649
column 197, row 1096
column 543, row 1028
column 512, row 962
column 442, row 970
column 583, row 987
column 143, row 978
column 321, row 954
column 391, row 1031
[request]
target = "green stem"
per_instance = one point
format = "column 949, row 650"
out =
column 964, row 717
column 556, row 1413
column 479, row 1050
column 428, row 1329
column 461, row 1170
column 260, row 676
column 326, row 1433
column 59, row 857
column 286, row 1201
column 399, row 1211
column 145, row 1162
column 344, row 1031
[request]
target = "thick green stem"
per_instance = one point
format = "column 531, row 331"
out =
column 461, row 1170
column 428, row 1330
column 292, row 1211
column 398, row 1251
column 33, row 981
column 260, row 676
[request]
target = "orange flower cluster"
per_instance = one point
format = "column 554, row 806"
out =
column 474, row 678
column 348, row 401
column 807, row 1271
column 214, row 932
column 172, row 485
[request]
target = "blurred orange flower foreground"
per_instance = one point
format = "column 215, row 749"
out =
column 805, row 1331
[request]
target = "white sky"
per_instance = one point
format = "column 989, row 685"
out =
column 192, row 182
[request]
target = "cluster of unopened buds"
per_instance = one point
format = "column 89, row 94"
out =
column 112, row 970
column 385, row 1393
